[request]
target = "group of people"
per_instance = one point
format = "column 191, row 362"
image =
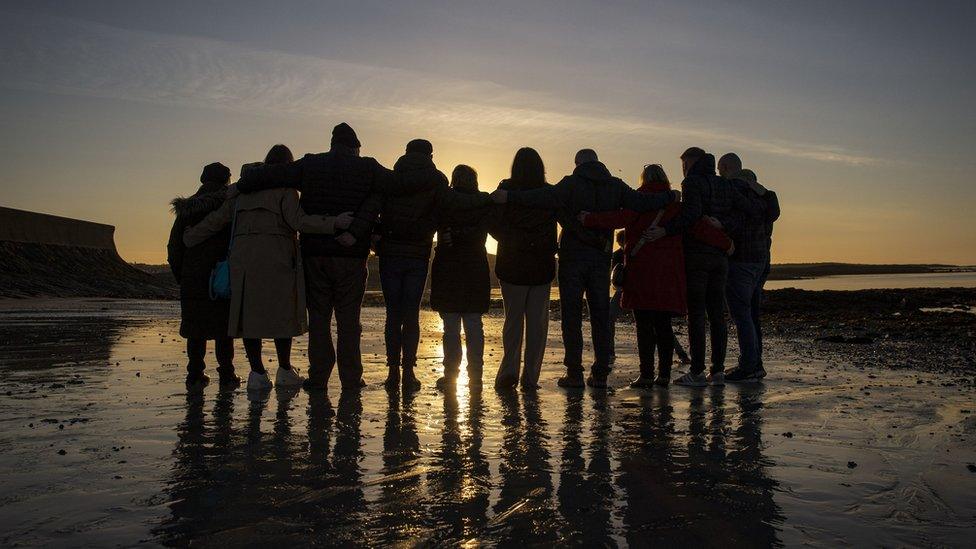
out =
column 298, row 260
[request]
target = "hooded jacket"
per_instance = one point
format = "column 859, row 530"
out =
column 704, row 193
column 419, row 194
column 592, row 188
column 191, row 266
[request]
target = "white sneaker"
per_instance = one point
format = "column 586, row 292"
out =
column 716, row 379
column 258, row 382
column 692, row 380
column 289, row 378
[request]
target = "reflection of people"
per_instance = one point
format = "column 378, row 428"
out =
column 202, row 318
column 460, row 282
column 584, row 269
column 525, row 266
column 267, row 282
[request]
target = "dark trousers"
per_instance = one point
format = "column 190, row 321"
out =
column 252, row 347
column 403, row 280
column 335, row 285
column 654, row 331
column 757, row 301
column 744, row 283
column 196, row 351
column 579, row 278
column 706, row 274
column 615, row 311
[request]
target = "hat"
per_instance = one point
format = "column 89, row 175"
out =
column 215, row 173
column 421, row 146
column 343, row 134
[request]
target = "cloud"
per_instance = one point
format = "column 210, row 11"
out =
column 77, row 57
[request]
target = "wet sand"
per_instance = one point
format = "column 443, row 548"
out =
column 100, row 444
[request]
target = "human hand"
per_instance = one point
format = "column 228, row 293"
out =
column 499, row 196
column 653, row 233
column 346, row 239
column 344, row 220
column 581, row 217
column 713, row 222
column 444, row 237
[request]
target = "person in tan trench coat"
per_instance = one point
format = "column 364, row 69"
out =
column 267, row 279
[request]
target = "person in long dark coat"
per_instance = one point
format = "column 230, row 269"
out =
column 460, row 282
column 202, row 318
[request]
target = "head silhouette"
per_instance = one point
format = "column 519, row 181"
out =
column 215, row 173
column 729, row 164
column 279, row 154
column 586, row 155
column 527, row 167
column 654, row 176
column 344, row 135
column 464, row 178
column 689, row 157
column 420, row 146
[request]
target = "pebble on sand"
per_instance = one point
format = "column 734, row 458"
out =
column 851, row 464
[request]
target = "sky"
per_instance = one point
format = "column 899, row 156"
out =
column 858, row 114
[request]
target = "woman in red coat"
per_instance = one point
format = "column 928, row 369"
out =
column 654, row 285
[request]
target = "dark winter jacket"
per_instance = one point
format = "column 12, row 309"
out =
column 460, row 281
column 704, row 193
column 751, row 239
column 772, row 214
column 419, row 195
column 331, row 183
column 526, row 240
column 201, row 317
column 590, row 188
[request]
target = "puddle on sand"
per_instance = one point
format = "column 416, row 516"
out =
column 820, row 454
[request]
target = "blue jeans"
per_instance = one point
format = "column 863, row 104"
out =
column 579, row 278
column 757, row 300
column 743, row 282
column 403, row 280
column 474, row 337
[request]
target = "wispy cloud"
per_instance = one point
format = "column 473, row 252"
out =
column 82, row 58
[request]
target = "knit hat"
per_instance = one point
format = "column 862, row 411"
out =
column 215, row 173
column 420, row 146
column 343, row 134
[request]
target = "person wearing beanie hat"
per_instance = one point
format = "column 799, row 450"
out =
column 409, row 221
column 584, row 255
column 330, row 183
column 748, row 271
column 202, row 318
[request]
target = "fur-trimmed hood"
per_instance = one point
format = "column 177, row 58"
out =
column 205, row 200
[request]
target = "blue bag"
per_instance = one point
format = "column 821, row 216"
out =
column 220, row 275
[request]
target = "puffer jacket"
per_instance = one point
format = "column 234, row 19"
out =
column 592, row 188
column 751, row 239
column 704, row 193
column 419, row 194
column 460, row 281
column 331, row 183
column 526, row 239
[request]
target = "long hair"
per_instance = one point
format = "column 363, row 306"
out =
column 654, row 173
column 527, row 168
column 464, row 178
column 279, row 154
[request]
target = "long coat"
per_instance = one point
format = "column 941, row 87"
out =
column 460, row 279
column 200, row 317
column 526, row 240
column 656, row 274
column 267, row 280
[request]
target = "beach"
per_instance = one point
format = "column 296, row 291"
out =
column 101, row 444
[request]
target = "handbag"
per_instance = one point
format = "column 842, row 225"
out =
column 220, row 275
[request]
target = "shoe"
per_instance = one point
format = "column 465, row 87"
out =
column 288, row 377
column 314, row 385
column 571, row 381
column 446, row 382
column 197, row 381
column 716, row 379
column 642, row 382
column 692, row 380
column 393, row 378
column 662, row 381
column 258, row 381
column 230, row 381
column 761, row 372
column 740, row 375
column 530, row 387
column 409, row 381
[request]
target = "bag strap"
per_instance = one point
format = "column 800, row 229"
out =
column 233, row 226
